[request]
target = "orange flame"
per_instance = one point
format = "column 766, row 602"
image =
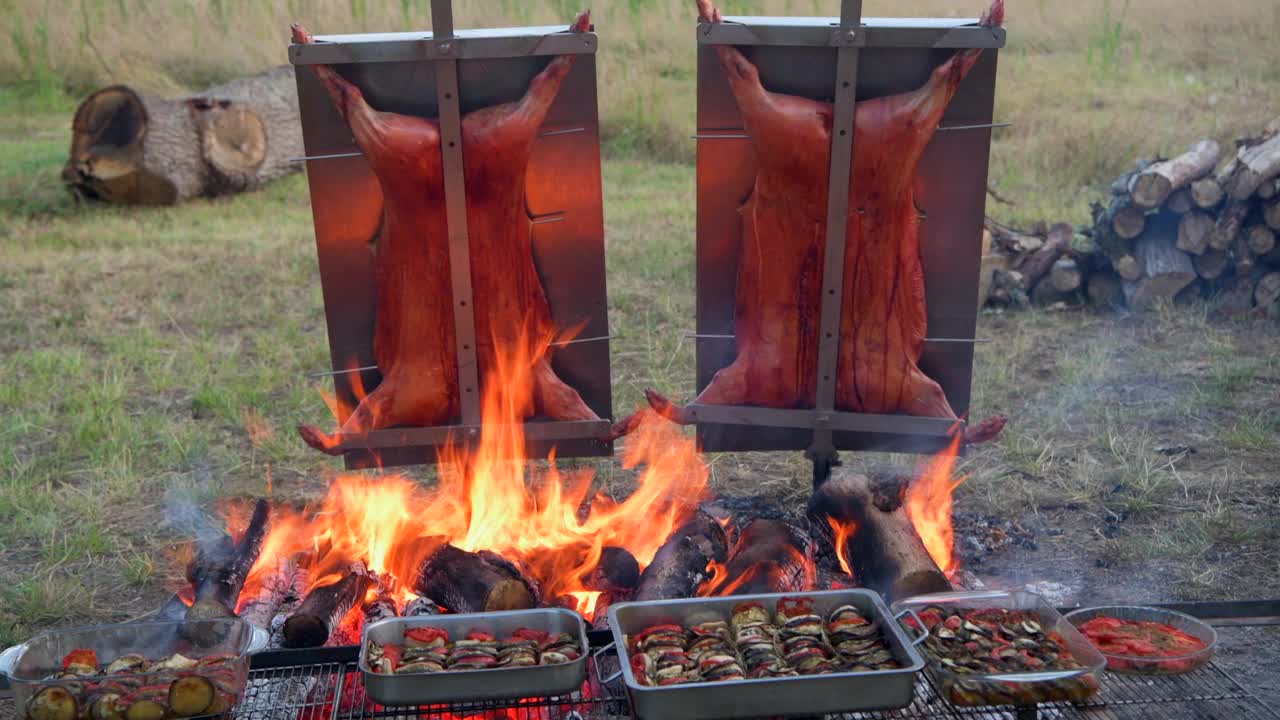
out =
column 841, row 533
column 928, row 503
column 549, row 521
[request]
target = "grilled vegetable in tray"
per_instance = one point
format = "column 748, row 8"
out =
column 429, row 650
column 128, row 688
column 751, row 644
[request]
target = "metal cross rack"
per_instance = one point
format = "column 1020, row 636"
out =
column 336, row 693
column 847, row 58
column 443, row 74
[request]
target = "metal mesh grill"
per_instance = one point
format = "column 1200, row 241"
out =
column 335, row 692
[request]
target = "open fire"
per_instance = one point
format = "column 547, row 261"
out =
column 526, row 534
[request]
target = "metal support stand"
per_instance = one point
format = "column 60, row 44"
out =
column 823, row 451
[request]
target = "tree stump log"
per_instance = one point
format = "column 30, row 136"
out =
column 132, row 148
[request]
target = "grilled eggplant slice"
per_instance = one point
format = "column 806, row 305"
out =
column 190, row 695
column 52, row 703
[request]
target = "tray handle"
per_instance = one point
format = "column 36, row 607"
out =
column 595, row 664
column 924, row 630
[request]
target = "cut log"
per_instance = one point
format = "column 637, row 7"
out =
column 1166, row 269
column 770, row 556
column 885, row 551
column 1267, row 291
column 1117, row 249
column 1065, row 275
column 1236, row 296
column 1206, row 193
column 1153, row 186
column 1211, row 264
column 1037, row 264
column 324, row 608
column 1271, row 214
column 1104, row 291
column 679, row 567
column 617, row 571
column 1253, row 166
column 1269, row 190
column 467, row 582
column 1228, row 225
column 274, row 588
column 129, row 147
column 218, row 571
column 1193, row 232
column 379, row 604
column 1180, row 201
column 1128, row 222
column 1260, row 239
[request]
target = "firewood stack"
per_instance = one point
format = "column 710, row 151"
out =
column 1177, row 229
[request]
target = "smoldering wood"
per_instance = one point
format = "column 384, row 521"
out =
column 324, row 608
column 1166, row 269
column 769, row 556
column 885, row 551
column 133, row 148
column 1207, row 193
column 1153, row 185
column 679, row 567
column 1193, row 232
column 217, row 572
column 465, row 582
column 1180, row 201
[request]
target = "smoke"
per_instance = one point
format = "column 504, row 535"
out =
column 185, row 514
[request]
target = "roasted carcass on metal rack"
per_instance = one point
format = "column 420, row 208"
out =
column 414, row 340
column 779, row 284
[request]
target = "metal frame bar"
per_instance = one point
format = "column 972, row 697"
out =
column 873, row 32
column 463, row 45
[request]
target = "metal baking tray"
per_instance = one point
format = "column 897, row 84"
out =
column 487, row 684
column 805, row 695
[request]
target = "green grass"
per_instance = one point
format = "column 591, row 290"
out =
column 155, row 357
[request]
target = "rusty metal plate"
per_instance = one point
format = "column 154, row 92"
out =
column 563, row 184
column 950, row 190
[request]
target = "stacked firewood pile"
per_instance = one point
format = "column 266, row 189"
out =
column 1176, row 229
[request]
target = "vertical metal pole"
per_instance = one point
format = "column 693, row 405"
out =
column 822, row 452
column 455, row 199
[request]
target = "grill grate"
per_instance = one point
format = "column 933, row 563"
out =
column 334, row 691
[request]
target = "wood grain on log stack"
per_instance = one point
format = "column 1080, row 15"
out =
column 1269, row 189
column 1206, row 193
column 1193, row 232
column 1228, row 225
column 1153, row 186
column 885, row 551
column 1211, row 264
column 1038, row 263
column 1105, row 291
column 129, row 147
column 1166, row 270
column 1180, row 201
column 1267, row 292
column 1254, row 165
column 1260, row 239
column 1065, row 275
column 1271, row 214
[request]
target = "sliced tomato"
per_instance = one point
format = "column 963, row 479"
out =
column 80, row 656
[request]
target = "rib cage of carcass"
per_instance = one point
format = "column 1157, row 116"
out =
column 413, row 334
column 920, row 134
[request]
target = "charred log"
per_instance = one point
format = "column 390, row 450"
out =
column 275, row 588
column 885, row 551
column 217, row 573
column 421, row 606
column 324, row 608
column 381, row 605
column 466, row 582
column 769, row 556
column 618, row 571
column 679, row 567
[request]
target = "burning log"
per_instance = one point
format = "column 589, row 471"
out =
column 217, row 573
column 679, row 567
column 885, row 551
column 467, row 582
column 324, row 608
column 769, row 556
column 421, row 606
column 414, row 334
column 617, row 572
column 382, row 605
column 273, row 592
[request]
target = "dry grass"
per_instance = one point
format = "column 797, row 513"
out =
column 155, row 357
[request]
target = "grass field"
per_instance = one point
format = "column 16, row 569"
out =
column 151, row 357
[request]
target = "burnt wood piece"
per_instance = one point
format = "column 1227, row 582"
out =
column 769, row 556
column 414, row 340
column 617, row 571
column 274, row 588
column 466, row 582
column 217, row 573
column 680, row 566
column 129, row 147
column 381, row 605
column 421, row 606
column 324, row 608
column 885, row 551
column 779, row 282
column 1207, row 193
column 1154, row 185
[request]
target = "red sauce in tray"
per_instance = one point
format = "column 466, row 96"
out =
column 1142, row 638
